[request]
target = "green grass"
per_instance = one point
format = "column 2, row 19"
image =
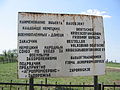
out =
column 117, row 65
column 8, row 72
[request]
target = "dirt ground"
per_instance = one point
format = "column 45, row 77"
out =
column 112, row 69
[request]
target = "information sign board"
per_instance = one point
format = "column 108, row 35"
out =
column 60, row 45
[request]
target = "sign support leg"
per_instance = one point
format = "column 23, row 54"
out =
column 95, row 82
column 31, row 82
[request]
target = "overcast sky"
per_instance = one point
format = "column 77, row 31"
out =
column 109, row 9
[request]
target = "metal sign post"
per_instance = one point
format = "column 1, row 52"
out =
column 95, row 82
column 31, row 82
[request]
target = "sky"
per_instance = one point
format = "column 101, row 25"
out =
column 109, row 9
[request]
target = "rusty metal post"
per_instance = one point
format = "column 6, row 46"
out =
column 31, row 82
column 95, row 82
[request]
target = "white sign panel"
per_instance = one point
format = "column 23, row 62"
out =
column 60, row 45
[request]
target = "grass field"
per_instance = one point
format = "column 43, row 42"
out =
column 117, row 65
column 8, row 72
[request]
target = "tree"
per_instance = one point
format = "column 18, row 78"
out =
column 5, row 54
column 1, row 58
column 10, row 55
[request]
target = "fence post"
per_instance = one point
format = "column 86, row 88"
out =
column 83, row 85
column 56, row 85
column 41, row 85
column 11, row 85
column 95, row 82
column 46, row 81
column 114, row 86
column 70, row 84
column 26, row 85
column 31, row 82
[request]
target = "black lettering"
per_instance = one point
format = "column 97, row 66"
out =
column 74, row 23
column 79, row 69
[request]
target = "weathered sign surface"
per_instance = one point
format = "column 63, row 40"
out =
column 60, row 45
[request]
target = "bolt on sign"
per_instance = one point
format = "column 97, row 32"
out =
column 60, row 45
